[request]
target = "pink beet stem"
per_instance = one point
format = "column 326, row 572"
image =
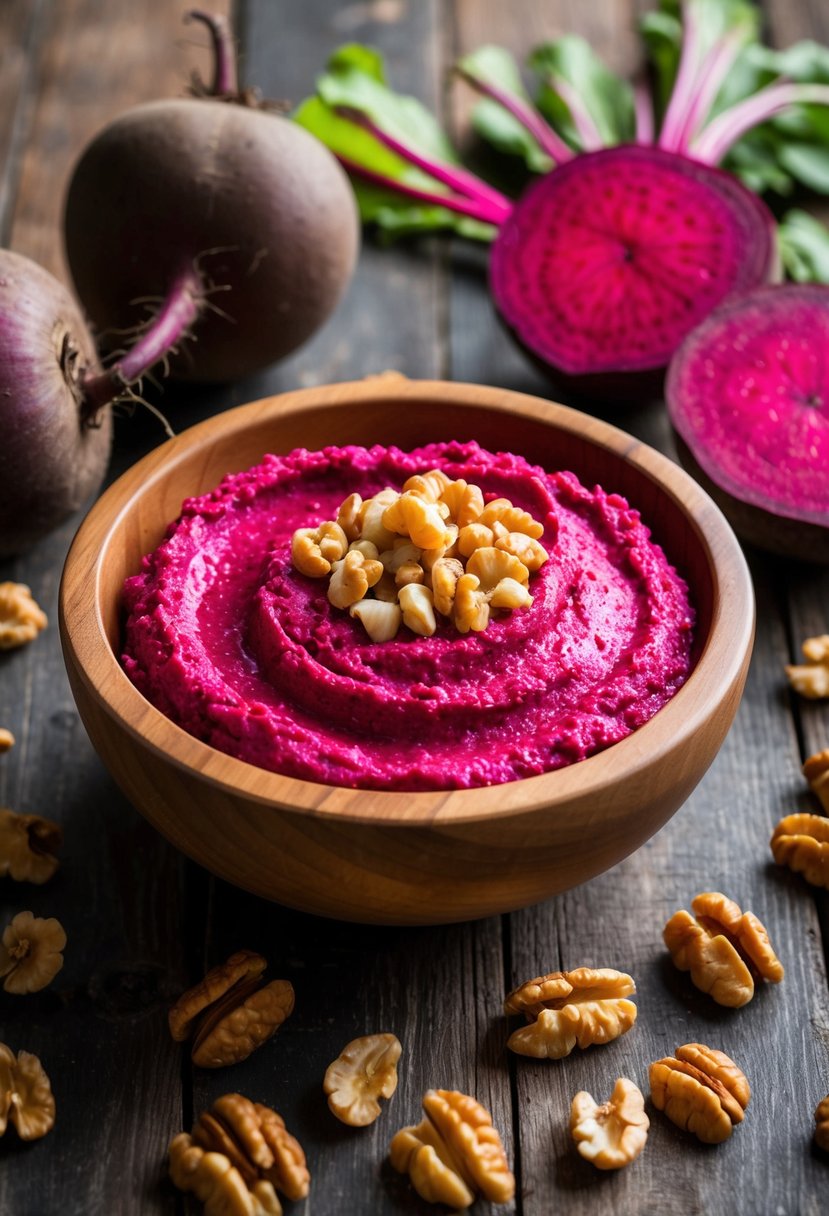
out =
column 723, row 131
column 476, row 210
column 586, row 128
column 161, row 338
column 713, row 71
column 460, row 180
column 643, row 108
column 225, row 80
column 549, row 140
column 685, row 85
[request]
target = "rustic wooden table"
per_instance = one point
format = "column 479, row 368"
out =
column 143, row 923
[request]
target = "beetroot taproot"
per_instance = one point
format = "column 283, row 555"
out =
column 633, row 234
column 748, row 397
column 55, row 443
column 605, row 264
column 232, row 225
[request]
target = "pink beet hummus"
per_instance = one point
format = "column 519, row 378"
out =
column 224, row 636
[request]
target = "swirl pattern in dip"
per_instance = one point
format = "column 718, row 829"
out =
column 224, row 636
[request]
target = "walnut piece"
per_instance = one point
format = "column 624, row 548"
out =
column 6, row 740
column 701, row 1090
column 569, row 1008
column 379, row 549
column 454, row 1153
column 822, row 1124
column 812, row 678
column 724, row 949
column 256, row 1142
column 816, row 772
column 801, row 842
column 30, row 953
column 25, row 1095
column 231, row 1012
column 27, row 847
column 217, row 1183
column 612, row 1135
column 21, row 619
column 364, row 1072
column 380, row 619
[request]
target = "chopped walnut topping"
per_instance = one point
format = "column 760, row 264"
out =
column 364, row 1072
column 230, row 1011
column 612, row 1135
column 454, row 1152
column 812, row 678
column 801, row 842
column 381, row 620
column 416, row 538
column 723, row 947
column 352, row 577
column 6, row 740
column 418, row 609
column 21, row 618
column 30, row 953
column 816, row 772
column 700, row 1090
column 569, row 1008
column 465, row 502
column 822, row 1125
column 27, row 847
column 25, row 1095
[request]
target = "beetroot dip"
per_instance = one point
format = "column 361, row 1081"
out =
column 227, row 639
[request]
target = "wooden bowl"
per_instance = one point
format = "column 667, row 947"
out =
column 404, row 858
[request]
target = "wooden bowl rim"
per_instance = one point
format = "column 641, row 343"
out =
column 717, row 670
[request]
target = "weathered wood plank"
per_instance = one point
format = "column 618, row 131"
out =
column 100, row 1029
column 19, row 34
column 434, row 988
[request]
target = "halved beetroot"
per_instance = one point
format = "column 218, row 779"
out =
column 605, row 264
column 748, row 396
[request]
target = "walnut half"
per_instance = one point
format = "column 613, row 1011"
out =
column 256, row 1142
column 701, row 1090
column 723, row 947
column 21, row 618
column 612, row 1135
column 566, row 1008
column 25, row 1095
column 801, row 842
column 31, row 953
column 364, row 1072
column 231, row 1012
column 27, row 847
column 454, row 1152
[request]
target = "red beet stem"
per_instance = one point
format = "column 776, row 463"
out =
column 586, row 128
column 686, row 83
column 225, row 79
column 723, row 131
column 460, row 180
column 476, row 210
column 171, row 325
column 710, row 78
column 549, row 140
column 643, row 108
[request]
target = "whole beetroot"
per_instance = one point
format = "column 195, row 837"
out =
column 232, row 223
column 55, row 443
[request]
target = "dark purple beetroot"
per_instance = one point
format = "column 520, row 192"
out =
column 748, row 396
column 55, row 445
column 605, row 264
column 255, row 204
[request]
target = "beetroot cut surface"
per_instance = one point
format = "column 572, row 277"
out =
column 606, row 263
column 748, row 394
